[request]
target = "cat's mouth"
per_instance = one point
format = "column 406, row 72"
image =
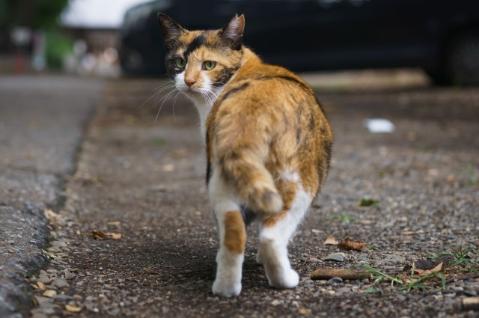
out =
column 191, row 91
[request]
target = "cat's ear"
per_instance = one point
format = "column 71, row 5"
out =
column 232, row 33
column 170, row 29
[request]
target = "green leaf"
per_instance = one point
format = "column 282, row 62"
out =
column 367, row 202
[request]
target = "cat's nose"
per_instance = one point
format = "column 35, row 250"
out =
column 189, row 81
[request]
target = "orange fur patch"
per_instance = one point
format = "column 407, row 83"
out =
column 235, row 232
column 266, row 121
column 287, row 189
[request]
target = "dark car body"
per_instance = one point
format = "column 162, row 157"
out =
column 310, row 35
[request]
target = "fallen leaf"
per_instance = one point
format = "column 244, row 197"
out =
column 344, row 273
column 114, row 224
column 72, row 308
column 470, row 303
column 303, row 311
column 99, row 235
column 53, row 218
column 114, row 236
column 41, row 285
column 366, row 222
column 331, row 240
column 348, row 244
column 50, row 293
column 424, row 264
column 367, row 202
column 425, row 272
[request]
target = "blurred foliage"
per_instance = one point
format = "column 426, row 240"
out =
column 57, row 47
column 32, row 13
column 39, row 15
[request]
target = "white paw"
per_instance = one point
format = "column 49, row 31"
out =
column 225, row 288
column 284, row 279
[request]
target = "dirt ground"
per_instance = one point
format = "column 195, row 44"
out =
column 145, row 179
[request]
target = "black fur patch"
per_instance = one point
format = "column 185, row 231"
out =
column 287, row 78
column 208, row 172
column 171, row 68
column 225, row 76
column 195, row 44
column 234, row 91
column 247, row 214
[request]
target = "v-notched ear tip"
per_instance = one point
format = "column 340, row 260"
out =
column 237, row 21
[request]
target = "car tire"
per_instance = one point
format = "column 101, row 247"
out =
column 463, row 61
column 438, row 77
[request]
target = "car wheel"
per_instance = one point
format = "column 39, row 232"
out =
column 463, row 64
column 438, row 77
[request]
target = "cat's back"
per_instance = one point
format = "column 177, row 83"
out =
column 270, row 105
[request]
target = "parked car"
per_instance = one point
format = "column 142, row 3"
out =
column 439, row 36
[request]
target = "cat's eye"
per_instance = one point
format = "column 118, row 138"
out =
column 208, row 65
column 180, row 62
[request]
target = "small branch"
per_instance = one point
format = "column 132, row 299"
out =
column 350, row 274
column 470, row 303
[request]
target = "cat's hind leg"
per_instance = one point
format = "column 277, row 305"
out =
column 232, row 237
column 276, row 231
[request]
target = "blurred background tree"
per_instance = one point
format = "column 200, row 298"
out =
column 36, row 14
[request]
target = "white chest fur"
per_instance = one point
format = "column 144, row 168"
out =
column 203, row 98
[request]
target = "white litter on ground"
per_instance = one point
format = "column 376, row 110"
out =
column 379, row 125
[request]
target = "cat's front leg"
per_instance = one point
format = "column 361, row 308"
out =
column 232, row 237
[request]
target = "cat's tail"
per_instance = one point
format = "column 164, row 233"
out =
column 252, row 181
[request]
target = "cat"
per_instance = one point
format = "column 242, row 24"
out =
column 268, row 144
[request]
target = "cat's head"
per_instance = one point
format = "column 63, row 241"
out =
column 202, row 61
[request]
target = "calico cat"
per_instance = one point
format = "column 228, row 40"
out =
column 268, row 144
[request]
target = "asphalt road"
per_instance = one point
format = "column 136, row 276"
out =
column 142, row 181
column 41, row 126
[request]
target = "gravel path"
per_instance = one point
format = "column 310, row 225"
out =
column 144, row 179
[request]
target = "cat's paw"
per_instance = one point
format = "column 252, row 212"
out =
column 287, row 279
column 225, row 288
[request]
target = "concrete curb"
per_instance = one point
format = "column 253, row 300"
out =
column 29, row 227
column 42, row 127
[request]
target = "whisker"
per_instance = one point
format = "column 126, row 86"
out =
column 175, row 99
column 163, row 101
column 158, row 91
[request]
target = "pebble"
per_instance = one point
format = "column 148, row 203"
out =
column 335, row 280
column 59, row 244
column 48, row 309
column 44, row 278
column 41, row 299
column 60, row 283
column 63, row 297
column 343, row 290
column 38, row 314
column 336, row 257
column 68, row 274
column 49, row 293
column 470, row 292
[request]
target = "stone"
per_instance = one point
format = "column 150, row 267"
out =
column 336, row 257
column 60, row 283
